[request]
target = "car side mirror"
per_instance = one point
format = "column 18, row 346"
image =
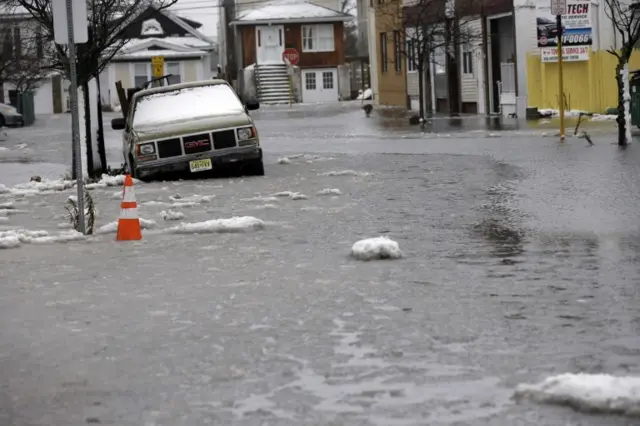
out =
column 118, row 123
column 253, row 105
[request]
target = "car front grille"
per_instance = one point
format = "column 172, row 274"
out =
column 224, row 139
column 169, row 148
column 197, row 143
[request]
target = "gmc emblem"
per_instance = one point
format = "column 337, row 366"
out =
column 196, row 144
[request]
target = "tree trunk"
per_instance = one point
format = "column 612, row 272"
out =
column 622, row 127
column 100, row 136
column 421, row 71
column 87, row 129
column 427, row 83
column 452, row 67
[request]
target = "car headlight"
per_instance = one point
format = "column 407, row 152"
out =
column 246, row 133
column 146, row 149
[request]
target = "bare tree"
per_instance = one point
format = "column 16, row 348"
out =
column 108, row 23
column 23, row 57
column 626, row 20
column 350, row 29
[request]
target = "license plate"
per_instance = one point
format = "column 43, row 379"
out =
column 200, row 165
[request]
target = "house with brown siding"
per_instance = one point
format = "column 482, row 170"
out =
column 315, row 32
column 390, row 62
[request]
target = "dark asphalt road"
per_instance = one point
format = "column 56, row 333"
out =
column 521, row 262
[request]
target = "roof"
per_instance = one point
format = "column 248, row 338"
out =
column 178, row 86
column 169, row 47
column 290, row 11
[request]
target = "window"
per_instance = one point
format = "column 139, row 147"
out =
column 411, row 55
column 383, row 51
column 310, row 81
column 141, row 74
column 327, row 80
column 397, row 47
column 17, row 42
column 173, row 68
column 39, row 43
column 439, row 60
column 467, row 59
column 318, row 38
column 194, row 102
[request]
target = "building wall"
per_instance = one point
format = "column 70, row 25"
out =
column 469, row 81
column 392, row 84
column 599, row 71
column 293, row 38
column 597, row 74
column 373, row 56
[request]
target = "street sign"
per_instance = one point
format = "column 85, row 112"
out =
column 290, row 54
column 61, row 21
column 157, row 62
column 558, row 7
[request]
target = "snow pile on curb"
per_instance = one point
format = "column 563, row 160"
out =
column 234, row 224
column 600, row 393
column 345, row 173
column 284, row 160
column 330, row 191
column 292, row 195
column 171, row 215
column 376, row 248
column 107, row 181
column 556, row 113
column 14, row 238
column 113, row 226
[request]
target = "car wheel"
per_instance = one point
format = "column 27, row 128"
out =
column 255, row 167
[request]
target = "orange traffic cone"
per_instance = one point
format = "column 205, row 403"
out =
column 129, row 223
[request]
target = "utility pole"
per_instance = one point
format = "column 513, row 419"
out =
column 559, row 8
column 452, row 46
column 229, row 10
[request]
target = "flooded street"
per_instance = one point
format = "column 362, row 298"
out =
column 520, row 262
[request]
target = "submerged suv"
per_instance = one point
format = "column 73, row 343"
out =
column 189, row 127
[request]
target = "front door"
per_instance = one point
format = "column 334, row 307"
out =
column 269, row 43
column 319, row 85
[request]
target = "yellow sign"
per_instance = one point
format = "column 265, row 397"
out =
column 157, row 62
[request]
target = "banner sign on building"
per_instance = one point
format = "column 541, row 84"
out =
column 569, row 54
column 576, row 24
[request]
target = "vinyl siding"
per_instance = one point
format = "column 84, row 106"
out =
column 469, row 82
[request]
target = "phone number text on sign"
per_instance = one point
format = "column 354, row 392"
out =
column 570, row 54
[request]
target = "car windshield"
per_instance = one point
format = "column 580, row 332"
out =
column 187, row 103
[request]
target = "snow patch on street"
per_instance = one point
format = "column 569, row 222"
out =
column 45, row 186
column 262, row 199
column 14, row 238
column 290, row 194
column 234, row 224
column 329, row 191
column 196, row 198
column 265, row 206
column 171, row 215
column 284, row 160
column 345, row 173
column 170, row 205
column 599, row 393
column 376, row 248
column 113, row 226
column 107, row 181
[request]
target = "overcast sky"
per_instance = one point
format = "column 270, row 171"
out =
column 203, row 11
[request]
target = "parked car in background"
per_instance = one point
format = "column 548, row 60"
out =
column 190, row 127
column 10, row 117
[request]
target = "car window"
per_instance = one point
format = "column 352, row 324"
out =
column 187, row 103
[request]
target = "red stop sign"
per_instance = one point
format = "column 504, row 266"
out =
column 291, row 55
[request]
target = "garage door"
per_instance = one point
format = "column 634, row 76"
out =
column 319, row 86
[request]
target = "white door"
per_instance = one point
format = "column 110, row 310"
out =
column 269, row 44
column 319, row 85
column 43, row 99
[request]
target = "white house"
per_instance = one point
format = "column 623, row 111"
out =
column 188, row 54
